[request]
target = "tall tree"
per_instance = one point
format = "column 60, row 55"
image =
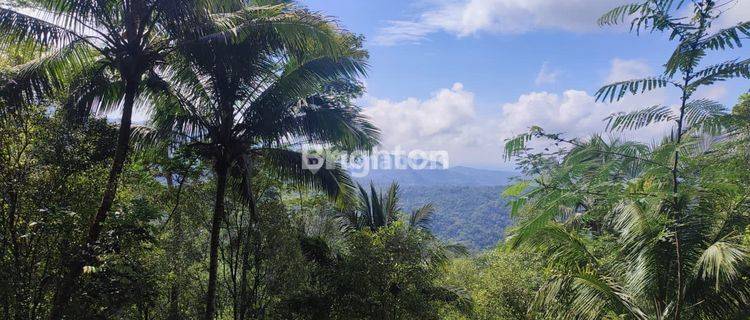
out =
column 682, row 71
column 254, row 89
column 665, row 213
column 108, row 48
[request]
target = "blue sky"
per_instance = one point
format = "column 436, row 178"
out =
column 462, row 75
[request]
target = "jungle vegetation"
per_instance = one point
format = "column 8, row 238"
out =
column 206, row 211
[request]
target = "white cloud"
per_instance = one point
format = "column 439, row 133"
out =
column 412, row 119
column 450, row 120
column 622, row 70
column 546, row 75
column 735, row 11
column 407, row 32
column 468, row 17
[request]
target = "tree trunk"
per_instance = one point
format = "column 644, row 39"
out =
column 221, row 186
column 675, row 190
column 174, row 294
column 254, row 230
column 74, row 268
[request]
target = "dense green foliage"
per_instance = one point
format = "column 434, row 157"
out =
column 207, row 210
column 502, row 284
column 632, row 231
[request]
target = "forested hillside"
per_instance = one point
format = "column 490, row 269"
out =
column 469, row 208
column 475, row 216
column 210, row 208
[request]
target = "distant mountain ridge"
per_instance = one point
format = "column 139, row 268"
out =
column 454, row 176
column 469, row 208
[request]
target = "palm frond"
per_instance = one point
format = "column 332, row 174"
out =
column 379, row 216
column 302, row 79
column 391, row 202
column 321, row 121
column 19, row 28
column 333, row 180
column 421, row 217
column 95, row 92
column 364, row 206
column 723, row 260
column 297, row 30
column 597, row 295
column 50, row 73
column 81, row 9
column 563, row 247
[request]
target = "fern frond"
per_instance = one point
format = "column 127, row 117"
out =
column 700, row 113
column 639, row 118
column 618, row 90
column 618, row 14
column 514, row 146
column 720, row 72
column 727, row 38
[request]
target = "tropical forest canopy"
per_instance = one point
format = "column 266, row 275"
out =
column 208, row 211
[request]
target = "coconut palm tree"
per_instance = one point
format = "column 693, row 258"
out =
column 108, row 47
column 244, row 98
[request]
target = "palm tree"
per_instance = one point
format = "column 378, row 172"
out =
column 108, row 47
column 246, row 96
column 375, row 210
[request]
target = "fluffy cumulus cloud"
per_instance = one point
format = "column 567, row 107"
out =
column 467, row 17
column 450, row 120
column 412, row 122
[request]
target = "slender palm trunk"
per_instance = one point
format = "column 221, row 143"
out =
column 74, row 268
column 221, row 187
column 174, row 294
column 254, row 230
column 123, row 144
column 256, row 248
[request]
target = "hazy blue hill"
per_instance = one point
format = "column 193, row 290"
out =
column 455, row 176
column 467, row 200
